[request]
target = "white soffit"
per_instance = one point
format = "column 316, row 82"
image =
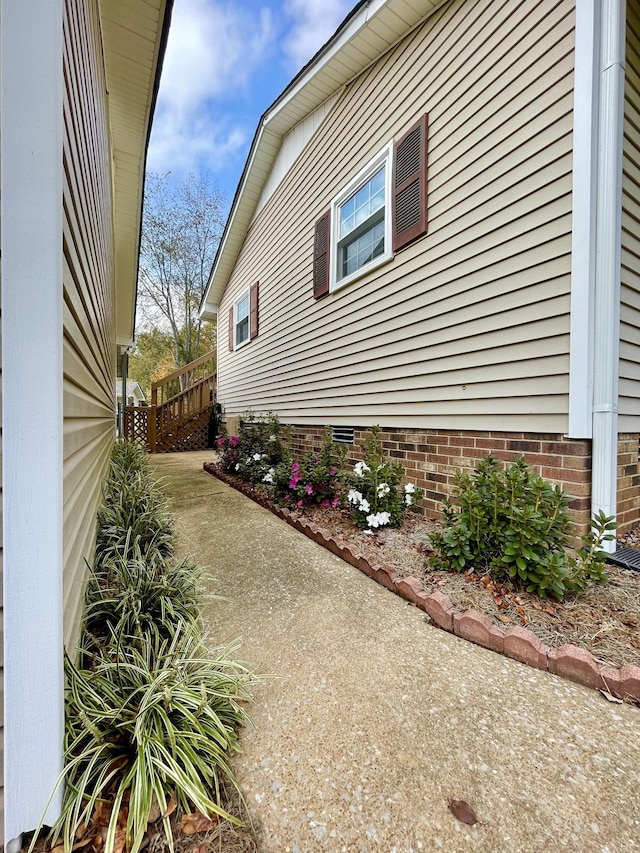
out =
column 132, row 37
column 369, row 32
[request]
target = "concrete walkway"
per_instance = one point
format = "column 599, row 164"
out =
column 382, row 719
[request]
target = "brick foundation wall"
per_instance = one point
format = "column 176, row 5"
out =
column 431, row 458
column 628, row 482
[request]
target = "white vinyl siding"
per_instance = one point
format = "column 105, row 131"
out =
column 89, row 333
column 467, row 328
column 629, row 405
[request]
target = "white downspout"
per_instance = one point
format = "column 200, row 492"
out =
column 606, row 342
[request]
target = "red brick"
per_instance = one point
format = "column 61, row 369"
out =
column 440, row 610
column 523, row 645
column 385, row 575
column 576, row 664
column 409, row 588
column 630, row 682
column 611, row 681
column 479, row 629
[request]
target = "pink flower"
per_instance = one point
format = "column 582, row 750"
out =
column 221, row 441
column 293, row 482
column 335, row 502
column 234, row 441
column 295, row 467
column 333, row 472
column 326, row 502
column 308, row 490
column 300, row 504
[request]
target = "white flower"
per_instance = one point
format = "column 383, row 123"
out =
column 364, row 505
column 354, row 497
column 408, row 500
column 383, row 489
column 272, row 438
column 268, row 477
column 257, row 457
column 379, row 519
column 409, row 488
column 237, row 466
column 359, row 468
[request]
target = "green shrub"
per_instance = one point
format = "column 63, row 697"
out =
column 511, row 523
column 148, row 723
column 376, row 496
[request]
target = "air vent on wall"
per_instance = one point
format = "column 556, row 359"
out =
column 342, row 435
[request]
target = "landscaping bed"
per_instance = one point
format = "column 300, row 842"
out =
column 592, row 638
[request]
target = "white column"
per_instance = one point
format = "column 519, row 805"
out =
column 31, row 241
column 608, row 239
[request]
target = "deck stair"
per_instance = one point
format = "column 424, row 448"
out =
column 178, row 417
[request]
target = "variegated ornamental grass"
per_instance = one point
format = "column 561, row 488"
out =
column 152, row 714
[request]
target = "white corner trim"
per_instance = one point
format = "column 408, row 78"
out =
column 31, row 180
column 606, row 343
column 209, row 311
column 583, row 236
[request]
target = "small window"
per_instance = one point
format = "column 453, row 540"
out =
column 361, row 216
column 242, row 319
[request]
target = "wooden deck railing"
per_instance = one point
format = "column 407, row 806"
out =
column 176, row 401
column 182, row 379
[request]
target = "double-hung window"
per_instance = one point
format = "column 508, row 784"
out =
column 361, row 217
column 241, row 320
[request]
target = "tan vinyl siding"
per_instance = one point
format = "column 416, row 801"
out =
column 89, row 354
column 629, row 407
column 468, row 328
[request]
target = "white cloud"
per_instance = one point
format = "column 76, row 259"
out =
column 213, row 50
column 314, row 21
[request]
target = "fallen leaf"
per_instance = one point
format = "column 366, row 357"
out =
column 503, row 618
column 463, row 812
column 196, row 822
column 549, row 610
column 536, row 605
column 171, row 807
column 201, row 848
column 611, row 698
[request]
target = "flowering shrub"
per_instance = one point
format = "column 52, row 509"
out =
column 315, row 480
column 254, row 453
column 376, row 497
column 228, row 452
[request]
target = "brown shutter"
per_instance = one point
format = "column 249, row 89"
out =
column 410, row 185
column 321, row 256
column 231, row 329
column 253, row 311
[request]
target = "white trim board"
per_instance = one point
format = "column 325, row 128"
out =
column 31, row 104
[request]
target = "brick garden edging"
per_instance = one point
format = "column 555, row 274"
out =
column 568, row 661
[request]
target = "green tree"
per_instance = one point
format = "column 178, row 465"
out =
column 154, row 356
column 181, row 230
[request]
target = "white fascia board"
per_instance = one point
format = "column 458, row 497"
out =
column 583, row 237
column 209, row 311
column 31, row 180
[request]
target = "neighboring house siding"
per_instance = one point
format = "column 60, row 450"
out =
column 89, row 335
column 629, row 420
column 468, row 328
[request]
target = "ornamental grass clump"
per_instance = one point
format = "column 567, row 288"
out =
column 151, row 714
column 134, row 511
column 512, row 524
column 376, row 495
column 147, row 724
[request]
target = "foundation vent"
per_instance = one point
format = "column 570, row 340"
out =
column 342, row 435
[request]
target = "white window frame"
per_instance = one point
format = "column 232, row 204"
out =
column 383, row 158
column 245, row 293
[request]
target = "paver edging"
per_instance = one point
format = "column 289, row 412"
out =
column 568, row 661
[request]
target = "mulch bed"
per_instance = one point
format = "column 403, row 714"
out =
column 605, row 620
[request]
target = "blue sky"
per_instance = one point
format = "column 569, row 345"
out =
column 226, row 61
